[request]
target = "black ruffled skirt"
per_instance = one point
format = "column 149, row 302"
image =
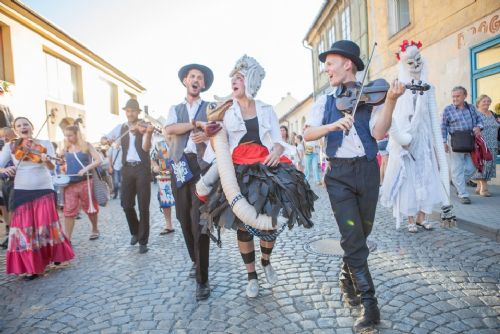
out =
column 275, row 191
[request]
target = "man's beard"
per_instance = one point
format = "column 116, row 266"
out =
column 194, row 94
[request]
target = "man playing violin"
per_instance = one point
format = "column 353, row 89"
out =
column 135, row 139
column 352, row 179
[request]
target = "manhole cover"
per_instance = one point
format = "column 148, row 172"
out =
column 331, row 247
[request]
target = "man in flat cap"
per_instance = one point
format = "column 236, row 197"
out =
column 190, row 158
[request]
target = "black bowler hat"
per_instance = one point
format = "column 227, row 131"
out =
column 132, row 104
column 208, row 75
column 347, row 49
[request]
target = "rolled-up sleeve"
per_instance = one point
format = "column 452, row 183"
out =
column 115, row 133
column 315, row 117
column 478, row 121
column 374, row 116
column 171, row 117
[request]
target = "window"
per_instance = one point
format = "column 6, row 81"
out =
column 107, row 96
column 346, row 24
column 321, row 49
column 485, row 61
column 331, row 34
column 6, row 64
column 63, row 79
column 399, row 15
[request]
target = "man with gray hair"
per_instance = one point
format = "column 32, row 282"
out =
column 460, row 120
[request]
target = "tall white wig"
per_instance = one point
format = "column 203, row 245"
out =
column 253, row 73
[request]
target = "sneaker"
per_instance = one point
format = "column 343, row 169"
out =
column 271, row 276
column 252, row 288
column 465, row 200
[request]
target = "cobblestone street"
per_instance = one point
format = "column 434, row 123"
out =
column 443, row 281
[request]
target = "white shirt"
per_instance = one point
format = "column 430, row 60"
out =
column 269, row 129
column 29, row 175
column 132, row 155
column 351, row 145
column 172, row 119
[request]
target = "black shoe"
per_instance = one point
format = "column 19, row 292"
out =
column 192, row 271
column 370, row 315
column 143, row 249
column 31, row 277
column 471, row 184
column 202, row 291
column 349, row 292
column 134, row 240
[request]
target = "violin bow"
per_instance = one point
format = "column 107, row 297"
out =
column 363, row 83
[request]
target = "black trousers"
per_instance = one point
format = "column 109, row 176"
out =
column 187, row 209
column 136, row 181
column 353, row 188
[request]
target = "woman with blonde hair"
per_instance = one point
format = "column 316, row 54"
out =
column 81, row 158
column 489, row 133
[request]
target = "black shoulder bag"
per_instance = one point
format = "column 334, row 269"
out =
column 462, row 141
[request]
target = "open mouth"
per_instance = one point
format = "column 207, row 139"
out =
column 25, row 132
column 194, row 86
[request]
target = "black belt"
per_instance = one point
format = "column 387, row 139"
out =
column 132, row 163
column 347, row 160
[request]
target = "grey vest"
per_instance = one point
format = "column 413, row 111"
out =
column 179, row 142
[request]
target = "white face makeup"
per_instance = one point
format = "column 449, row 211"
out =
column 412, row 60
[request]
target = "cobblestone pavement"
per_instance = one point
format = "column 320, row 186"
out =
column 444, row 281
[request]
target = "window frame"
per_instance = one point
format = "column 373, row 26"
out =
column 478, row 73
column 76, row 78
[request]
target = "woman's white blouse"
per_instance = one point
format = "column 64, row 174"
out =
column 29, row 175
column 269, row 130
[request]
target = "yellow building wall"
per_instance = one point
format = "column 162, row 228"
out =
column 447, row 29
column 296, row 119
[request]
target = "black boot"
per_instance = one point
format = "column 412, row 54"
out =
column 347, row 287
column 370, row 315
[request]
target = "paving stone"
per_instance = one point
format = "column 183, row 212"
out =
column 445, row 281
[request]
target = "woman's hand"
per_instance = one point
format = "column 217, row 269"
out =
column 10, row 171
column 82, row 172
column 156, row 169
column 273, row 159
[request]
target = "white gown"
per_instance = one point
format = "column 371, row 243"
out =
column 412, row 181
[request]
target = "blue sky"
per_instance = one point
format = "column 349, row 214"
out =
column 151, row 39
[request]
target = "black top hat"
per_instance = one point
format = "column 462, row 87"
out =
column 132, row 104
column 208, row 75
column 347, row 49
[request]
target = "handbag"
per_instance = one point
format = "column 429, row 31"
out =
column 462, row 141
column 100, row 189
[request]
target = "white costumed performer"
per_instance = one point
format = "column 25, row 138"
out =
column 417, row 177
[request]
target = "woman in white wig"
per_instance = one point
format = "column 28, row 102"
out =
column 266, row 181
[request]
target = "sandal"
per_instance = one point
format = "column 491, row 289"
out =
column 412, row 228
column 94, row 236
column 426, row 225
column 166, row 231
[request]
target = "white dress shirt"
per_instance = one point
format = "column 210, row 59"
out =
column 351, row 144
column 269, row 129
column 132, row 155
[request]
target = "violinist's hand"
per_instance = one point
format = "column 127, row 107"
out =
column 10, row 171
column 396, row 90
column 342, row 124
column 150, row 128
column 44, row 157
column 156, row 169
column 273, row 159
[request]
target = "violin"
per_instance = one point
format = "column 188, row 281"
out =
column 141, row 126
column 373, row 93
column 26, row 149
